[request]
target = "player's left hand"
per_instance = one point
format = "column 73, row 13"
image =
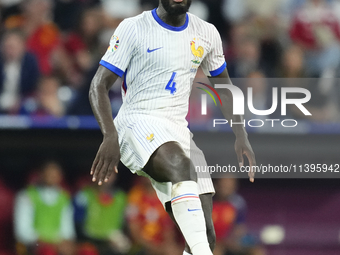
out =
column 243, row 147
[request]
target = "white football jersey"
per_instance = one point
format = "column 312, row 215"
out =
column 158, row 63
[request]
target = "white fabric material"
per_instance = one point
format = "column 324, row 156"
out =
column 185, row 253
column 187, row 210
column 136, row 150
column 10, row 92
column 23, row 219
column 153, row 57
column 201, row 249
column 158, row 64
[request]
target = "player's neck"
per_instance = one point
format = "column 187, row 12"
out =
column 175, row 21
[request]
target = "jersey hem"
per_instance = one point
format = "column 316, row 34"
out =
column 219, row 70
column 112, row 68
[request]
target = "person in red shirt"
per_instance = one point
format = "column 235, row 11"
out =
column 83, row 45
column 229, row 213
column 43, row 37
column 316, row 29
column 229, row 217
column 149, row 224
column 42, row 34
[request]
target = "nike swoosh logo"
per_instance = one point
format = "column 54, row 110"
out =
column 192, row 210
column 149, row 51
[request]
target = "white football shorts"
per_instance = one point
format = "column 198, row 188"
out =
column 139, row 137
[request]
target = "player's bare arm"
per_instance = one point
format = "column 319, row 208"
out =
column 108, row 155
column 242, row 145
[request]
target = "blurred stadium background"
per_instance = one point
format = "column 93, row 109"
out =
column 49, row 52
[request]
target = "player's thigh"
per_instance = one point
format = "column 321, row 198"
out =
column 169, row 163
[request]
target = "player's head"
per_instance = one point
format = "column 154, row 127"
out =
column 175, row 7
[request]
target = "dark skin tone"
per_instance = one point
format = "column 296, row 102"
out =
column 108, row 155
column 175, row 21
column 242, row 145
column 169, row 162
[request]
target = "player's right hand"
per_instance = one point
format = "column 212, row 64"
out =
column 106, row 161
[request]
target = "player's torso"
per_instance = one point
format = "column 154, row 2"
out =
column 164, row 52
column 163, row 65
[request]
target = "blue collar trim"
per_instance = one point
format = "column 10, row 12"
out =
column 163, row 24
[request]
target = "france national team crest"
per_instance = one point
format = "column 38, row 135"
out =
column 198, row 52
column 114, row 43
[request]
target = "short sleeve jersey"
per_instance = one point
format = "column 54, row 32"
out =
column 159, row 62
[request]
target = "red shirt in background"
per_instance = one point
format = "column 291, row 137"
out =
column 224, row 217
column 41, row 42
column 146, row 210
column 313, row 27
column 228, row 213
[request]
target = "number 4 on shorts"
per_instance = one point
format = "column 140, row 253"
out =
column 172, row 84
